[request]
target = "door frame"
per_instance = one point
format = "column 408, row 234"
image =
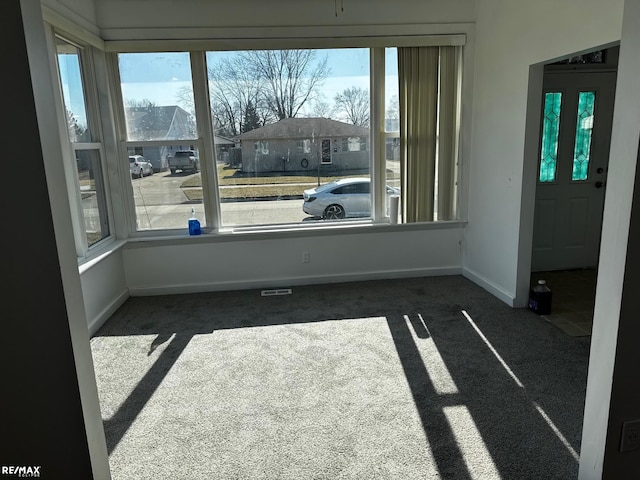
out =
column 529, row 176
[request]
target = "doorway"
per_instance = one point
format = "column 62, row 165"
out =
column 572, row 169
column 573, row 299
column 571, row 176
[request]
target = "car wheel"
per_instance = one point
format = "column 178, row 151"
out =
column 334, row 212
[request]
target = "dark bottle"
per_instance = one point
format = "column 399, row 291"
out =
column 540, row 298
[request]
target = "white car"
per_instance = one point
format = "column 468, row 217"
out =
column 347, row 197
column 139, row 166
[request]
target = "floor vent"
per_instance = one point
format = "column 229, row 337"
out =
column 276, row 291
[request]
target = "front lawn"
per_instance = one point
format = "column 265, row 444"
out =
column 235, row 184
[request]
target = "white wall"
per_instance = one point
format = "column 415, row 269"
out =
column 79, row 13
column 43, row 89
column 104, row 288
column 613, row 256
column 276, row 261
column 116, row 14
column 511, row 36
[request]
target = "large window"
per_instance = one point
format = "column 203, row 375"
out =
column 87, row 179
column 160, row 129
column 280, row 125
column 298, row 119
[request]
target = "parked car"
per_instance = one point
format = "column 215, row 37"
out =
column 139, row 166
column 185, row 160
column 347, row 197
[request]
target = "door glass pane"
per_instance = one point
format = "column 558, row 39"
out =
column 550, row 135
column 584, row 128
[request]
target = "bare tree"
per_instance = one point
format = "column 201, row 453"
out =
column 392, row 117
column 353, row 105
column 77, row 132
column 184, row 98
column 290, row 78
column 234, row 90
column 320, row 108
column 258, row 87
column 142, row 119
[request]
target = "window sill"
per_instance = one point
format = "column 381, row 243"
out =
column 290, row 231
column 99, row 254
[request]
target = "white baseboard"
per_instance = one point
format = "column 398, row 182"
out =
column 99, row 320
column 140, row 291
column 492, row 288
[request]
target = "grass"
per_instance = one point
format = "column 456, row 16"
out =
column 243, row 185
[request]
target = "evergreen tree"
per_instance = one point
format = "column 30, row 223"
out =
column 251, row 119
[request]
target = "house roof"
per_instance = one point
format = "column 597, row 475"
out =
column 305, row 128
column 220, row 140
column 155, row 121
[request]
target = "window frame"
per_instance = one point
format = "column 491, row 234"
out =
column 86, row 54
column 376, row 144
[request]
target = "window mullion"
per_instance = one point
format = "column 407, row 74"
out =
column 206, row 140
column 378, row 137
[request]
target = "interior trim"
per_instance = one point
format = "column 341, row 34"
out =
column 189, row 39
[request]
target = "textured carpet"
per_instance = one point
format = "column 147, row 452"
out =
column 399, row 379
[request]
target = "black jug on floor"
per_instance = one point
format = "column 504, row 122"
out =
column 540, row 298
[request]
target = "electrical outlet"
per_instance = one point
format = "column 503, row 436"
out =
column 306, row 257
column 630, row 436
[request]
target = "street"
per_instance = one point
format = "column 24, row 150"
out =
column 162, row 204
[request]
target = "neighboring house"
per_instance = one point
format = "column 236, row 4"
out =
column 223, row 146
column 167, row 123
column 305, row 144
column 159, row 123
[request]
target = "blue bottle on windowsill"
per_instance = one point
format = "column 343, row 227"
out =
column 194, row 224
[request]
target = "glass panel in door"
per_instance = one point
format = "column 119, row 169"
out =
column 584, row 128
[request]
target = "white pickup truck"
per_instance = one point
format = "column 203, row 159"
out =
column 185, row 161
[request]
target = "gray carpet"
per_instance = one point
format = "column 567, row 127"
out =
column 365, row 380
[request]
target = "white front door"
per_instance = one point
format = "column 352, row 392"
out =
column 572, row 169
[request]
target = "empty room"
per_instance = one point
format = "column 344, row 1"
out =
column 298, row 240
